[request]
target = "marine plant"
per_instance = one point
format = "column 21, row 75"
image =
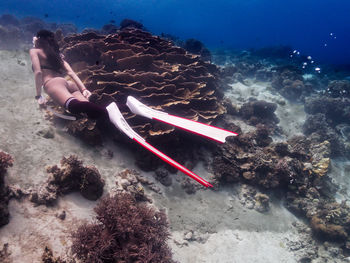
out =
column 125, row 231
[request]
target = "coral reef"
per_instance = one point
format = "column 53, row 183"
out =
column 328, row 119
column 300, row 166
column 161, row 75
column 6, row 161
column 72, row 176
column 126, row 231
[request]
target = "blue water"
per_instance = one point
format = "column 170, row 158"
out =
column 317, row 28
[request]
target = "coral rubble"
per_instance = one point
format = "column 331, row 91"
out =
column 126, row 231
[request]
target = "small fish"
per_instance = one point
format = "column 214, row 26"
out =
column 46, row 15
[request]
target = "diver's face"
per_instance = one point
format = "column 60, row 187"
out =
column 35, row 41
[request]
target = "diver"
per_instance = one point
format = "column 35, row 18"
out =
column 49, row 68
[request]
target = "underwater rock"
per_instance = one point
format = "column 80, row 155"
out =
column 6, row 161
column 5, row 253
column 338, row 89
column 281, row 52
column 72, row 176
column 10, row 37
column 292, row 89
column 288, row 81
column 131, row 182
column 316, row 123
column 8, row 19
column 109, row 29
column 18, row 33
column 189, row 185
column 262, row 202
column 262, row 135
column 259, row 111
column 251, row 198
column 336, row 110
column 197, row 47
column 321, row 128
column 47, row 257
column 330, row 221
column 162, row 175
column 126, row 231
column 131, row 23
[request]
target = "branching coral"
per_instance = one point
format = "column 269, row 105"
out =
column 126, row 231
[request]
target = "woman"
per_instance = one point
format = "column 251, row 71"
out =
column 49, row 69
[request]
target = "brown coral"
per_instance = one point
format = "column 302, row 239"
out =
column 159, row 74
column 127, row 232
column 72, row 176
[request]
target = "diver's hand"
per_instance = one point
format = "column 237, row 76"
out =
column 41, row 101
column 86, row 93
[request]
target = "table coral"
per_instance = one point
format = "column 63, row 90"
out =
column 152, row 69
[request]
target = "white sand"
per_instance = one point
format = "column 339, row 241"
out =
column 228, row 231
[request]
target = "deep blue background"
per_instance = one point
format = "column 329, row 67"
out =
column 304, row 24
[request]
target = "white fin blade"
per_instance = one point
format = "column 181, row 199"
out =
column 202, row 129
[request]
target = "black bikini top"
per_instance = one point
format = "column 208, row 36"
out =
column 48, row 67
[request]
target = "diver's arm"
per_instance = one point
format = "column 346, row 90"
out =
column 86, row 93
column 37, row 71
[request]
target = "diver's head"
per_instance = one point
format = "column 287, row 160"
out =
column 44, row 38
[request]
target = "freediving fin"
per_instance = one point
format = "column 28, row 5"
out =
column 118, row 120
column 202, row 129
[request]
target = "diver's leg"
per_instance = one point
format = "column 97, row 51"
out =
column 93, row 110
column 73, row 88
column 57, row 89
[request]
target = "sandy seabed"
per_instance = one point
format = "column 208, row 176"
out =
column 206, row 227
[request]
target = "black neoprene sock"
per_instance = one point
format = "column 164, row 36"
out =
column 93, row 110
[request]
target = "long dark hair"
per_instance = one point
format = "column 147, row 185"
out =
column 47, row 42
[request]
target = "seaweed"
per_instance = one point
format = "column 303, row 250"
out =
column 126, row 231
